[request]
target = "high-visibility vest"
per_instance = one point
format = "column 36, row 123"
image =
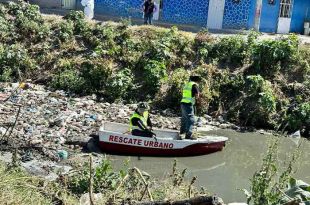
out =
column 187, row 93
column 142, row 118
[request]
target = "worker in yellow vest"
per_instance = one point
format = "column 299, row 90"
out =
column 189, row 96
column 140, row 123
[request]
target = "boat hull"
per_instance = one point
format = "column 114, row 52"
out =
column 191, row 150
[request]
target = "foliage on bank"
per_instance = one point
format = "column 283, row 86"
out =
column 124, row 186
column 253, row 82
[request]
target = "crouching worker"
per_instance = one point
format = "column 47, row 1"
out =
column 140, row 123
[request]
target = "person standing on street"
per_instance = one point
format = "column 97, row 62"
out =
column 149, row 9
column 190, row 95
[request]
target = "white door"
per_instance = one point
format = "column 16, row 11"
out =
column 68, row 4
column 156, row 14
column 215, row 14
column 285, row 15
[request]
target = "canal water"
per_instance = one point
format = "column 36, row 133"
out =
column 225, row 173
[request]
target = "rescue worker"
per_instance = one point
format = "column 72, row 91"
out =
column 140, row 123
column 190, row 95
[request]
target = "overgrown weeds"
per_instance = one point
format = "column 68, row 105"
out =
column 269, row 184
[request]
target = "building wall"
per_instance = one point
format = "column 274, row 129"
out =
column 185, row 11
column 236, row 15
column 125, row 8
column 47, row 3
column 300, row 9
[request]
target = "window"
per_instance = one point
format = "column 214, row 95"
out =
column 285, row 8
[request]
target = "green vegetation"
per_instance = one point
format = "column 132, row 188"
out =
column 114, row 187
column 270, row 184
column 256, row 82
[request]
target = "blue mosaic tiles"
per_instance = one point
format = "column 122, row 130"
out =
column 236, row 15
column 185, row 11
column 125, row 8
column 192, row 12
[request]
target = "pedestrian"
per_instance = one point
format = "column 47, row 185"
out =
column 190, row 95
column 140, row 123
column 149, row 9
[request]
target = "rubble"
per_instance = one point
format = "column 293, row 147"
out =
column 55, row 123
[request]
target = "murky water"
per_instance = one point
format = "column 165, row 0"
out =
column 223, row 173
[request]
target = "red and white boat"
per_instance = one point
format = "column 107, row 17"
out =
column 114, row 138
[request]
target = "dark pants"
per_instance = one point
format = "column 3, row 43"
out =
column 148, row 18
column 142, row 133
column 187, row 120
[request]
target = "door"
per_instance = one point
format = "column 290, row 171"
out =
column 215, row 14
column 68, row 4
column 285, row 14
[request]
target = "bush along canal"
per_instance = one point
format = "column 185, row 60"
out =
column 81, row 73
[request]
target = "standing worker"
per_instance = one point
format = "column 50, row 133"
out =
column 190, row 95
column 149, row 9
column 140, row 123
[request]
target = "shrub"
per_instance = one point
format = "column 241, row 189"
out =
column 231, row 51
column 68, row 77
column 120, row 85
column 65, row 31
column 268, row 184
column 171, row 97
column 68, row 80
column 270, row 56
column 259, row 104
column 104, row 179
column 5, row 29
column 96, row 74
column 151, row 77
column 298, row 116
column 75, row 16
column 168, row 46
column 203, row 44
column 16, row 61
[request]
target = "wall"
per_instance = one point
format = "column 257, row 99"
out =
column 300, row 9
column 47, row 3
column 125, row 8
column 269, row 17
column 185, row 11
column 236, row 15
column 252, row 12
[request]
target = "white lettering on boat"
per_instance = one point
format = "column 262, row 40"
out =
column 146, row 143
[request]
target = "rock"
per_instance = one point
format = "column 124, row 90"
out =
column 224, row 126
column 208, row 117
column 78, row 140
column 220, row 119
column 84, row 200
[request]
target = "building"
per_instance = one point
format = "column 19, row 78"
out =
column 273, row 16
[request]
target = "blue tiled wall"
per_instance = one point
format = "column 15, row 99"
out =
column 269, row 17
column 126, row 8
column 185, row 11
column 236, row 15
column 300, row 9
